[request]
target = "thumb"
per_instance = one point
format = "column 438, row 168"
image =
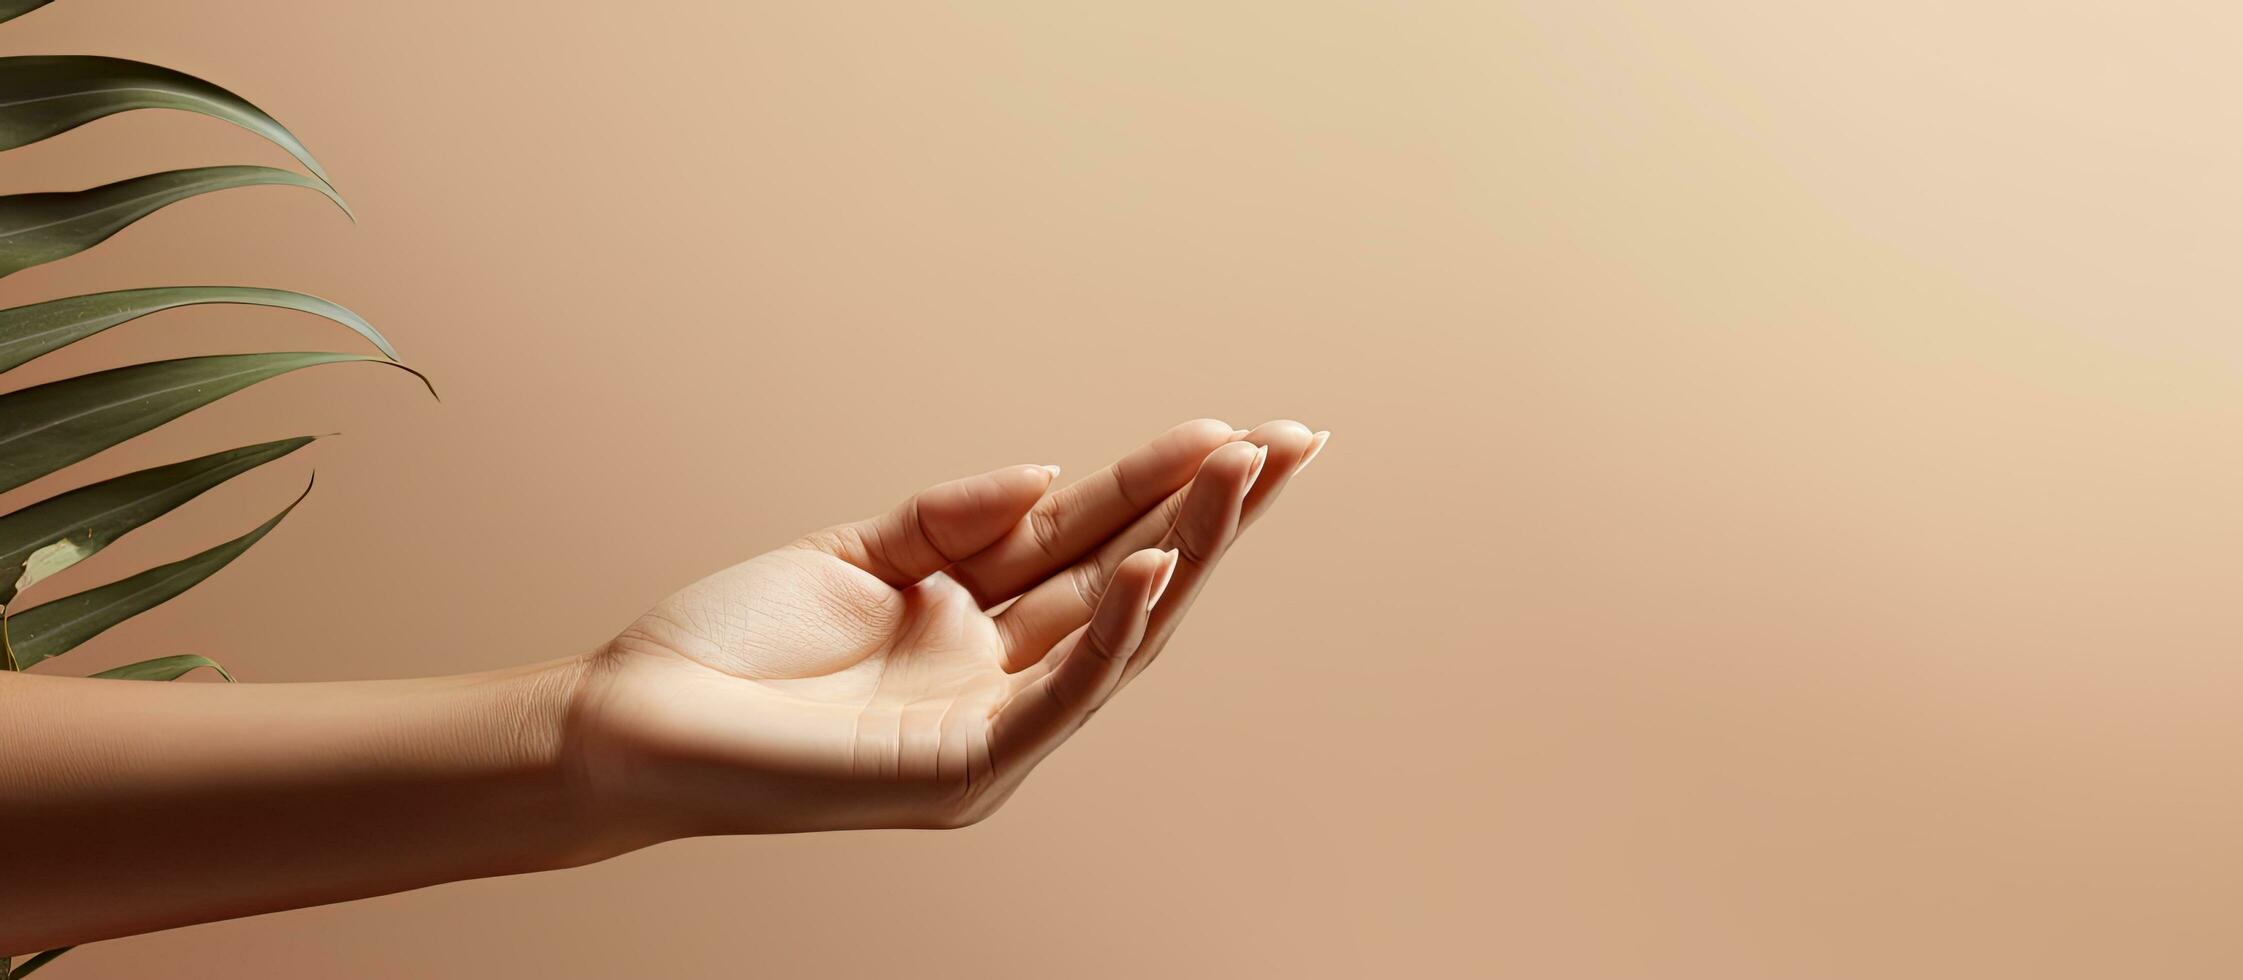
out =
column 939, row 525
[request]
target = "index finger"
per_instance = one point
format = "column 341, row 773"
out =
column 1068, row 523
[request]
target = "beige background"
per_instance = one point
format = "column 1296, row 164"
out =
column 1781, row 520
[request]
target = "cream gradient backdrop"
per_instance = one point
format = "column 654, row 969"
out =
column 1781, row 520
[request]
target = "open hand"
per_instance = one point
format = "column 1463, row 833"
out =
column 910, row 669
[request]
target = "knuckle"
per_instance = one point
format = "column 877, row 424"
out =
column 1097, row 644
column 1126, row 484
column 1171, row 510
column 898, row 535
column 1044, row 522
column 1089, row 582
column 1197, row 546
column 1009, row 638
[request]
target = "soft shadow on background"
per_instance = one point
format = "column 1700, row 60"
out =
column 1780, row 519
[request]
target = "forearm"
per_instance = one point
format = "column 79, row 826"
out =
column 133, row 806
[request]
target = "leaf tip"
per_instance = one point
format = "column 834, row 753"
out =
column 425, row 381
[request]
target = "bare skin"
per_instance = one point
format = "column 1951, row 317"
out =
column 908, row 670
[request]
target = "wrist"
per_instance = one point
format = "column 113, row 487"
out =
column 533, row 720
column 647, row 764
column 611, row 780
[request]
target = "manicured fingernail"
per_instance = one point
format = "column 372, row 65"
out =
column 1261, row 455
column 1315, row 446
column 1237, row 434
column 1053, row 470
column 1160, row 580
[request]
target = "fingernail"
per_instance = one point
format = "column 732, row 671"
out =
column 1237, row 434
column 1261, row 455
column 1315, row 446
column 1160, row 582
column 1053, row 470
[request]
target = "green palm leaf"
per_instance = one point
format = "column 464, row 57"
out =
column 50, row 426
column 51, row 94
column 40, row 228
column 51, row 629
column 43, row 958
column 12, row 9
column 27, row 332
column 91, row 517
column 163, row 669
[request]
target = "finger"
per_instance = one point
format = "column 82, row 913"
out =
column 1042, row 618
column 938, row 525
column 1289, row 448
column 1042, row 714
column 1289, row 444
column 1071, row 521
column 1035, row 623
